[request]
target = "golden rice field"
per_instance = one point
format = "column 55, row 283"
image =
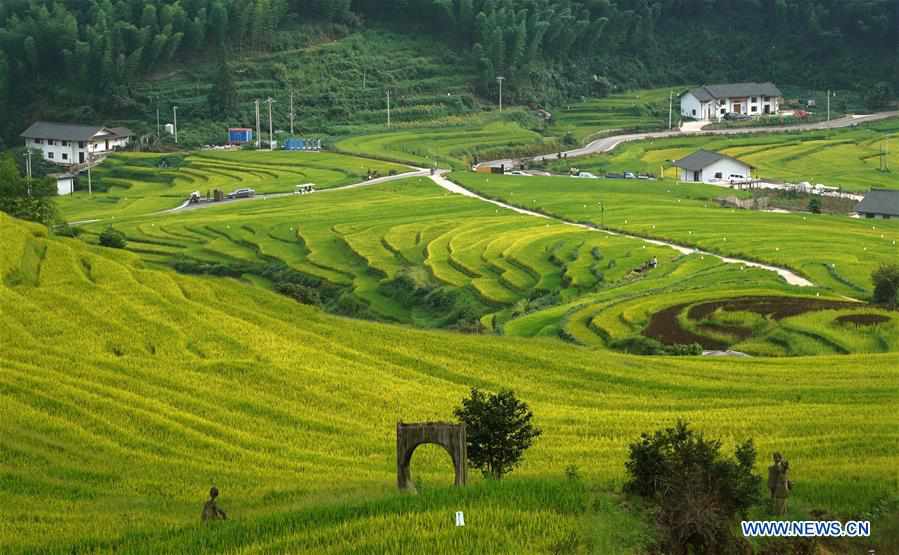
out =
column 127, row 390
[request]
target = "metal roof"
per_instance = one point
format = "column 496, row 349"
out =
column 703, row 159
column 880, row 201
column 70, row 131
column 706, row 93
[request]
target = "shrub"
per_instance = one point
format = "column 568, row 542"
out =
column 498, row 430
column 697, row 493
column 886, row 285
column 113, row 238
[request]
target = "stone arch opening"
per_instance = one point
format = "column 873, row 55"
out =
column 449, row 436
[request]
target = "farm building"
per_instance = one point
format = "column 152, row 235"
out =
column 713, row 102
column 69, row 144
column 879, row 203
column 65, row 183
column 704, row 166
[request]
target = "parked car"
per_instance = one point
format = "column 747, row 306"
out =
column 586, row 175
column 630, row 175
column 518, row 173
column 733, row 116
column 242, row 193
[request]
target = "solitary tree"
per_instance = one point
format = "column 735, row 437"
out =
column 697, row 492
column 886, row 285
column 498, row 429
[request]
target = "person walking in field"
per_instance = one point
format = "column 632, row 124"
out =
column 774, row 473
column 211, row 510
column 782, row 489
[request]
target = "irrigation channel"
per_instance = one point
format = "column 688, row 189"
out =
column 787, row 275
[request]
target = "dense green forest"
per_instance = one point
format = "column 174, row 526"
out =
column 81, row 54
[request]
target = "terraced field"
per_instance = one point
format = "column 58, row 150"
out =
column 847, row 158
column 413, row 253
column 126, row 391
column 836, row 252
column 456, row 143
column 641, row 110
column 142, row 183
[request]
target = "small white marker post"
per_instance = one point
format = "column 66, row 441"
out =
column 460, row 519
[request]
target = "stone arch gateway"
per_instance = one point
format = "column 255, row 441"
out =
column 449, row 436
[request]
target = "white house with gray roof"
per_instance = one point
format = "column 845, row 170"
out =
column 704, row 166
column 713, row 102
column 881, row 204
column 69, row 145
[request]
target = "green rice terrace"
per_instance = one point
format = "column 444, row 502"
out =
column 847, row 158
column 835, row 252
column 141, row 183
column 132, row 388
column 269, row 346
column 411, row 252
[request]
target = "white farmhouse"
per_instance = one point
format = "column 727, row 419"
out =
column 69, row 145
column 713, row 102
column 710, row 167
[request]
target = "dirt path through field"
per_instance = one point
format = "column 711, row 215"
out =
column 787, row 275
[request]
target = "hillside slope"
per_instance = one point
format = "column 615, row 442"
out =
column 125, row 392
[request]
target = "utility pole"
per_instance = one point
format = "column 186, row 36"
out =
column 500, row 80
column 28, row 167
column 291, row 112
column 828, row 104
column 270, row 133
column 90, row 189
column 175, row 112
column 388, row 108
column 670, row 107
column 157, row 119
column 258, row 131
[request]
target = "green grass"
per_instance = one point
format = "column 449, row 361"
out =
column 135, row 184
column 837, row 253
column 640, row 110
column 847, row 158
column 455, row 142
column 127, row 391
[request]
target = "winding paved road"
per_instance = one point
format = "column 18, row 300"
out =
column 187, row 206
column 788, row 276
column 607, row 144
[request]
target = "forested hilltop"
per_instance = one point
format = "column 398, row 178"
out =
column 89, row 59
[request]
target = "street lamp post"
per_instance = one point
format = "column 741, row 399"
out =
column 500, row 80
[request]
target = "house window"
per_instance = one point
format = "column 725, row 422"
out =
column 755, row 99
column 718, row 175
column 80, row 144
column 50, row 142
column 723, row 111
column 50, row 155
column 39, row 141
column 694, row 112
column 65, row 156
column 65, row 143
column 755, row 108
